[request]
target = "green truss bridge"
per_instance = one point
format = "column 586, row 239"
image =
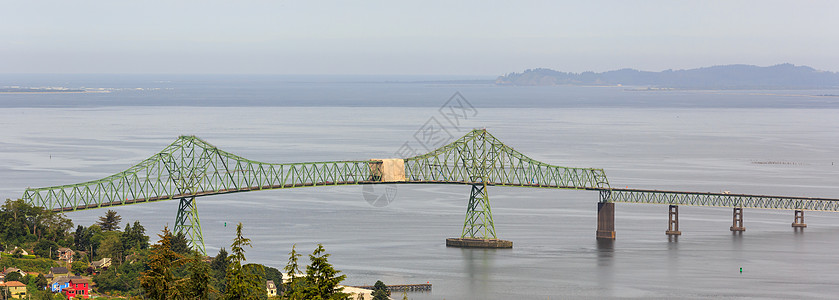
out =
column 190, row 168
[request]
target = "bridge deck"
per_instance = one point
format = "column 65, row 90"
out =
column 620, row 195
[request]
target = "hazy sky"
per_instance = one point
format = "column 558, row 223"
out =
column 422, row 37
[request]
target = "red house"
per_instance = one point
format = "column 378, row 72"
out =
column 77, row 288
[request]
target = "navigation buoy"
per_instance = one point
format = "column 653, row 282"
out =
column 225, row 224
column 741, row 270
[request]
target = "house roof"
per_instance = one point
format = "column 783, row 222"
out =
column 64, row 249
column 9, row 270
column 270, row 284
column 59, row 270
column 13, row 283
column 62, row 280
column 78, row 280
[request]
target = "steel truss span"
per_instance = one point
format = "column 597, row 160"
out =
column 718, row 200
column 190, row 168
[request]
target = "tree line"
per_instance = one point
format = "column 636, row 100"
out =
column 168, row 269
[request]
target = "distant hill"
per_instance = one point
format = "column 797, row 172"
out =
column 783, row 76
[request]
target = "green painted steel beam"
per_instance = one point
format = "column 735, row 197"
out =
column 478, row 223
column 718, row 200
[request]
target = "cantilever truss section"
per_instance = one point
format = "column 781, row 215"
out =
column 189, row 168
column 478, row 157
column 481, row 160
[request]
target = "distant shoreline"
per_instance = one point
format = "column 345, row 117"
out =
column 727, row 77
column 49, row 92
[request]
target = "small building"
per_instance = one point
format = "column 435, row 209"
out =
column 271, row 288
column 16, row 288
column 59, row 272
column 10, row 270
column 60, row 284
column 103, row 263
column 79, row 288
column 22, row 251
column 65, row 254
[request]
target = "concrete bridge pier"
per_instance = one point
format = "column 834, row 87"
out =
column 799, row 220
column 673, row 223
column 737, row 223
column 606, row 220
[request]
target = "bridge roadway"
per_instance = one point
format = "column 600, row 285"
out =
column 190, row 168
column 619, row 195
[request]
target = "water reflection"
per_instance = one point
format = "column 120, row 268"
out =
column 605, row 263
column 478, row 265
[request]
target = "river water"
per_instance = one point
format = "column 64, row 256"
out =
column 761, row 142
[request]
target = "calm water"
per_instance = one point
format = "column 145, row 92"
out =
column 685, row 140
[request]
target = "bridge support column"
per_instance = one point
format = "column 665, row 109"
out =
column 606, row 220
column 187, row 222
column 799, row 220
column 737, row 220
column 478, row 228
column 673, row 221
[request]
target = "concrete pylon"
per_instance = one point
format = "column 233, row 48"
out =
column 673, row 223
column 799, row 220
column 606, row 220
column 737, row 223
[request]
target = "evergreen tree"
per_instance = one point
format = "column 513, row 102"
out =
column 322, row 279
column 380, row 291
column 292, row 290
column 242, row 283
column 197, row 286
column 159, row 281
column 219, row 263
column 41, row 282
column 110, row 221
column 134, row 237
column 81, row 238
column 179, row 243
column 112, row 247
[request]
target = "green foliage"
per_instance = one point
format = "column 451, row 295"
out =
column 293, row 287
column 198, row 286
column 122, row 279
column 179, row 244
column 321, row 281
column 81, row 238
column 218, row 267
column 18, row 253
column 40, row 265
column 110, row 221
column 274, row 275
column 242, row 283
column 41, row 282
column 21, row 223
column 40, row 295
column 159, row 280
column 14, row 276
column 96, row 236
column 380, row 291
column 134, row 237
column 46, row 248
column 111, row 246
column 79, row 267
